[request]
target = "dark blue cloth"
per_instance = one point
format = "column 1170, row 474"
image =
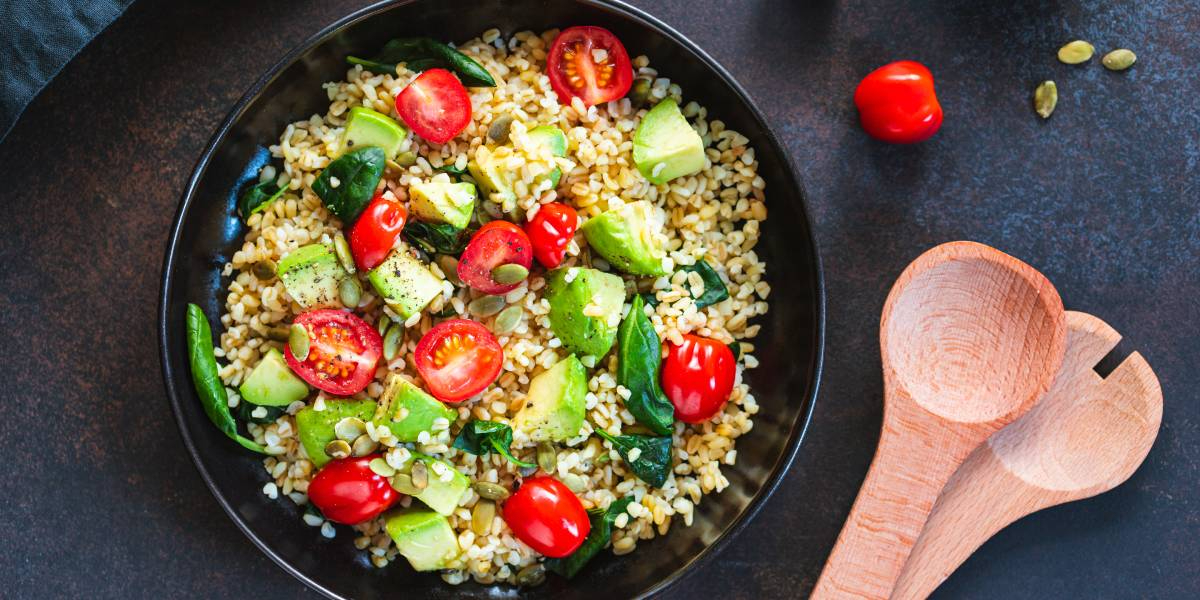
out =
column 38, row 37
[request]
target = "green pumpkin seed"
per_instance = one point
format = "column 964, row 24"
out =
column 639, row 92
column 337, row 449
column 350, row 291
column 363, row 445
column 403, row 483
column 508, row 274
column 1119, row 59
column 419, row 474
column 342, row 248
column 449, row 266
column 1076, row 52
column 406, row 159
column 264, row 269
column 298, row 342
column 482, row 515
column 278, row 334
column 486, row 306
column 531, row 576
column 498, row 132
column 508, row 319
column 381, row 467
column 1045, row 98
column 392, row 341
column 547, row 457
column 490, row 491
column 383, row 324
column 349, row 428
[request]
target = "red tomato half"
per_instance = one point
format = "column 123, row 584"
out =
column 374, row 233
column 547, row 516
column 435, row 105
column 343, row 351
column 497, row 243
column 550, row 231
column 457, row 359
column 589, row 62
column 697, row 376
column 896, row 103
column 347, row 491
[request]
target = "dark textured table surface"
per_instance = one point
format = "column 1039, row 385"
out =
column 101, row 500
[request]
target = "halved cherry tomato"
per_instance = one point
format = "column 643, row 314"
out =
column 457, row 359
column 347, row 491
column 435, row 105
column 896, row 103
column 374, row 233
column 589, row 62
column 545, row 514
column 342, row 353
column 550, row 231
column 697, row 376
column 497, row 243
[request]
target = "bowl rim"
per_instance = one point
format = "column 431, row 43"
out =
column 799, row 427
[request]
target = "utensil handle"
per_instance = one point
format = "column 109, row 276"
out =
column 914, row 460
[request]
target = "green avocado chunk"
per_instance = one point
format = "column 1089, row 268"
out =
column 315, row 428
column 665, row 146
column 627, row 238
column 493, row 176
column 443, row 202
column 575, row 290
column 407, row 410
column 445, row 485
column 366, row 127
column 423, row 537
column 555, row 407
column 551, row 137
column 312, row 275
column 272, row 383
column 405, row 283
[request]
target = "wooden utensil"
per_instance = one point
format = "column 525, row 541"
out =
column 970, row 338
column 1085, row 437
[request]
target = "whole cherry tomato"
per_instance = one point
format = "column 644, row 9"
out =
column 374, row 233
column 342, row 354
column 589, row 62
column 545, row 514
column 697, row 376
column 497, row 243
column 550, row 231
column 347, row 491
column 896, row 103
column 457, row 359
column 435, row 105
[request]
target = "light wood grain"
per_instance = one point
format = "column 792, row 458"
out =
column 971, row 338
column 1086, row 436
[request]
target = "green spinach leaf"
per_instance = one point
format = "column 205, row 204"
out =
column 736, row 348
column 203, row 361
column 714, row 288
column 358, row 173
column 652, row 463
column 245, row 412
column 601, row 534
column 258, row 197
column 650, row 298
column 639, row 360
column 424, row 53
column 437, row 238
column 483, row 437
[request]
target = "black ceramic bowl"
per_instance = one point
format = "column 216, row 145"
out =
column 206, row 232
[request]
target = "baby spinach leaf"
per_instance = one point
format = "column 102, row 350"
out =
column 437, row 238
column 639, row 359
column 650, row 298
column 714, row 288
column 653, row 461
column 736, row 348
column 213, row 397
column 484, row 437
column 358, row 173
column 245, row 412
column 601, row 534
column 424, row 53
column 258, row 197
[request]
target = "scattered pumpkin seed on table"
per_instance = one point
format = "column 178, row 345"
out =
column 1076, row 52
column 1045, row 98
column 1119, row 59
column 531, row 576
column 298, row 342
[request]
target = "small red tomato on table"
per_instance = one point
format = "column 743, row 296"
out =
column 896, row 103
column 550, row 231
column 590, row 63
column 374, row 233
column 697, row 376
column 435, row 106
column 496, row 243
column 546, row 515
column 347, row 491
column 342, row 355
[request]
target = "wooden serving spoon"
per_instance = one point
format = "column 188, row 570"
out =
column 971, row 338
column 1087, row 436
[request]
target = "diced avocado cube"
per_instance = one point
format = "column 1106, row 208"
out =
column 443, row 202
column 311, row 275
column 315, row 427
column 585, row 309
column 553, row 138
column 423, row 537
column 272, row 383
column 492, row 176
column 405, row 283
column 407, row 410
column 665, row 146
column 366, row 127
column 626, row 238
column 446, row 485
column 555, row 407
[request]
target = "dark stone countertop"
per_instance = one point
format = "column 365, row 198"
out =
column 101, row 499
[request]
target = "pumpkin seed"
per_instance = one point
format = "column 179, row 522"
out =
column 510, row 273
column 349, row 428
column 383, row 324
column 363, row 445
column 278, row 334
column 449, row 266
column 298, row 342
column 419, row 474
column 264, row 269
column 1119, row 59
column 508, row 319
column 403, row 483
column 486, row 306
column 381, row 467
column 342, row 248
column 639, row 92
column 392, row 341
column 498, row 132
column 547, row 457
column 1045, row 98
column 350, row 292
column 337, row 449
column 1076, row 52
column 527, row 471
column 490, row 491
column 482, row 515
column 406, row 159
column 533, row 575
